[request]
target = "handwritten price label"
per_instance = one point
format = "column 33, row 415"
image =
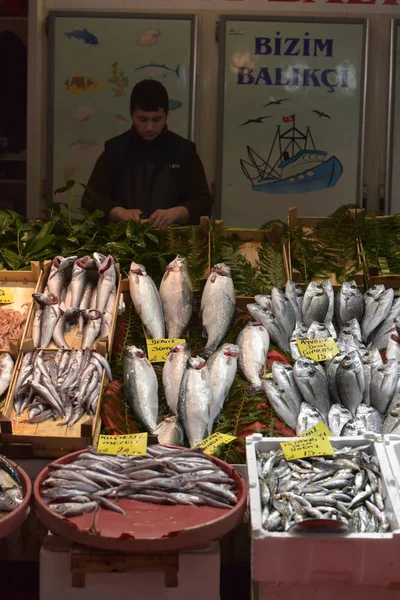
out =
column 158, row 349
column 319, row 430
column 213, row 441
column 6, row 296
column 134, row 444
column 319, row 349
column 308, row 446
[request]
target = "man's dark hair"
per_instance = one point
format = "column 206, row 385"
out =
column 149, row 95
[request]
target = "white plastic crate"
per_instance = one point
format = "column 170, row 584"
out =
column 282, row 561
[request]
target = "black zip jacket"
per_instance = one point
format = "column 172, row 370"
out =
column 134, row 173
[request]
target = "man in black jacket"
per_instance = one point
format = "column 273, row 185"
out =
column 149, row 172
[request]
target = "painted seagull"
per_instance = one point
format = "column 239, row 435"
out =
column 279, row 102
column 321, row 114
column 258, row 120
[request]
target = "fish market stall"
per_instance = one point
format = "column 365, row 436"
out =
column 379, row 240
column 15, row 496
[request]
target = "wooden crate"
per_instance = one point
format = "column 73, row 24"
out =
column 251, row 241
column 47, row 439
column 22, row 285
column 72, row 337
column 310, row 223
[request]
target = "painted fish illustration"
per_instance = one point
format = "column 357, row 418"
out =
column 82, row 144
column 155, row 70
column 83, row 35
column 80, row 85
column 84, row 113
column 174, row 104
column 119, row 80
column 149, row 37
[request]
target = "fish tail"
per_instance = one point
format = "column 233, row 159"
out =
column 177, row 70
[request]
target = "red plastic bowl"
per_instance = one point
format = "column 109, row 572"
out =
column 17, row 517
column 148, row 528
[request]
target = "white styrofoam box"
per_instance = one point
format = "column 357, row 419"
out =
column 392, row 448
column 198, row 578
column 312, row 559
column 265, row 591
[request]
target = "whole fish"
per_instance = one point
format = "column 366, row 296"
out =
column 295, row 295
column 281, row 404
column 78, row 281
column 354, row 428
column 70, row 314
column 222, row 366
column 393, row 345
column 346, row 342
column 269, row 321
column 353, row 328
column 331, row 371
column 195, row 397
column 85, row 302
column 107, row 317
column 371, row 418
column 309, row 416
column 380, row 336
column 349, row 304
column 263, row 300
column 326, row 284
column 316, row 304
column 350, row 381
column 253, row 342
column 370, row 361
column 146, row 300
column 378, row 302
column 312, row 383
column 299, row 333
column 56, row 278
column 49, row 317
column 337, row 418
column 383, row 385
column 318, row 331
column 6, row 370
column 92, row 328
column 283, row 311
column 106, row 283
column 170, row 432
column 140, row 387
column 218, row 305
column 174, row 368
column 392, row 419
column 36, row 326
column 284, row 378
column 176, row 293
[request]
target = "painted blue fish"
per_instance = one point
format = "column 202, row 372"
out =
column 84, row 35
column 154, row 70
column 174, row 104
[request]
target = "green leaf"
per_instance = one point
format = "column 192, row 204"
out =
column 12, row 258
column 162, row 262
column 152, row 237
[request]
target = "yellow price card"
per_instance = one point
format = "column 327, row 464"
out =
column 319, row 349
column 6, row 296
column 308, row 446
column 213, row 441
column 319, row 430
column 158, row 349
column 133, row 444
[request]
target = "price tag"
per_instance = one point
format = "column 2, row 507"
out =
column 319, row 430
column 6, row 296
column 133, row 444
column 213, row 441
column 158, row 349
column 319, row 349
column 308, row 446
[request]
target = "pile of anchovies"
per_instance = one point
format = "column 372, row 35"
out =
column 345, row 487
column 64, row 384
column 163, row 476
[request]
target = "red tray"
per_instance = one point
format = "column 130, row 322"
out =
column 148, row 528
column 17, row 516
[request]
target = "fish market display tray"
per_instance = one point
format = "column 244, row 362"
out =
column 46, row 439
column 17, row 517
column 295, row 559
column 148, row 528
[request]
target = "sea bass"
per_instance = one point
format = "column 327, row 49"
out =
column 378, row 302
column 195, row 397
column 316, row 304
column 176, row 293
column 295, row 295
column 253, row 342
column 370, row 361
column 350, row 381
column 174, row 368
column 281, row 403
column 283, row 311
column 312, row 383
column 271, row 324
column 283, row 376
column 146, row 300
column 141, row 387
column 331, row 370
column 218, row 305
column 349, row 304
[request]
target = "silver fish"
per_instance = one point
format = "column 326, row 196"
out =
column 283, row 311
column 378, row 302
column 371, row 418
column 78, row 281
column 379, row 338
column 370, row 360
column 353, row 428
column 263, row 300
column 253, row 342
column 318, row 331
column 140, row 387
column 353, row 328
column 222, row 366
column 269, row 321
column 107, row 282
column 295, row 295
column 195, row 397
column 281, row 404
column 337, row 418
column 346, row 342
column 350, row 381
column 170, row 432
column 383, row 385
column 107, row 317
column 85, row 302
column 349, row 304
column 392, row 419
column 146, row 300
column 56, row 278
column 316, row 304
column 284, row 378
column 312, row 383
column 393, row 345
column 70, row 314
column 309, row 416
column 299, row 333
column 6, row 371
column 176, row 293
column 36, row 326
column 326, row 284
column 218, row 305
column 92, row 328
column 331, row 371
column 50, row 315
column 174, row 368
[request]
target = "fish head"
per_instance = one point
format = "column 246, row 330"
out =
column 177, row 264
column 338, row 410
column 178, row 350
column 57, row 261
column 137, row 269
column 107, row 263
column 263, row 301
column 197, row 363
column 99, row 258
column 84, row 262
column 375, row 291
column 254, row 310
column 352, row 361
column 134, row 352
column 305, row 367
column 92, row 314
column 67, row 262
column 221, row 269
column 280, row 367
column 372, row 357
column 309, row 411
column 7, row 502
column 230, row 350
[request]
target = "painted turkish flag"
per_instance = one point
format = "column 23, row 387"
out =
column 288, row 119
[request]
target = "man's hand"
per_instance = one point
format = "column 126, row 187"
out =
column 162, row 218
column 124, row 214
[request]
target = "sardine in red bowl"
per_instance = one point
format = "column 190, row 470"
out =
column 147, row 528
column 15, row 518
